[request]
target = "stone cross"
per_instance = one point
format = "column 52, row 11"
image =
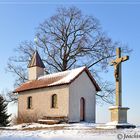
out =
column 118, row 76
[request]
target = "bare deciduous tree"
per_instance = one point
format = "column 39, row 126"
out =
column 67, row 40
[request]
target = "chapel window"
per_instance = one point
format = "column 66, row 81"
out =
column 54, row 101
column 29, row 102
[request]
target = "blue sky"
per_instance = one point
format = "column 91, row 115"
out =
column 120, row 20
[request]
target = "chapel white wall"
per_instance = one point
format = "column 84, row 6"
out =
column 82, row 87
column 41, row 102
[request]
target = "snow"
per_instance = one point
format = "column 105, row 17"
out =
column 66, row 76
column 31, row 125
column 81, row 131
column 37, row 125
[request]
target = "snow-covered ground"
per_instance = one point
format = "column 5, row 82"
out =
column 83, row 131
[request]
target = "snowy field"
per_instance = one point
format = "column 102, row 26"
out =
column 83, row 131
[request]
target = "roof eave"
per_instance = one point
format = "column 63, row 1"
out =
column 93, row 80
column 40, row 87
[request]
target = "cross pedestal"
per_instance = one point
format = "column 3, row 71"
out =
column 119, row 118
column 118, row 114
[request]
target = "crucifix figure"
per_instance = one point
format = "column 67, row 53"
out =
column 117, row 74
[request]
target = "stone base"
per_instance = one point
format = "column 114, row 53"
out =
column 125, row 126
column 120, row 125
column 115, row 125
column 119, row 114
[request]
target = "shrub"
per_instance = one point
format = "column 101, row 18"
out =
column 24, row 118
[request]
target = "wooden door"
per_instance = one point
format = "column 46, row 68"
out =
column 82, row 109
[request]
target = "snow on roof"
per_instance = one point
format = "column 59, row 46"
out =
column 56, row 79
column 66, row 76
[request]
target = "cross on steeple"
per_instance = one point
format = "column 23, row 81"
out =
column 36, row 42
column 118, row 75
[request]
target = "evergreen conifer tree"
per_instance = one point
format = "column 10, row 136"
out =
column 3, row 112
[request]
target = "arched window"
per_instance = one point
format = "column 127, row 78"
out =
column 29, row 102
column 54, row 101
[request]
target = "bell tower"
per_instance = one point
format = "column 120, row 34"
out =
column 35, row 67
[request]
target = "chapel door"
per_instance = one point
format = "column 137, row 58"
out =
column 82, row 109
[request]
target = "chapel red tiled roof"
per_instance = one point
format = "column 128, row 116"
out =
column 56, row 79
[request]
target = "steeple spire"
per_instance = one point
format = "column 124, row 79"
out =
column 36, row 61
column 35, row 67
